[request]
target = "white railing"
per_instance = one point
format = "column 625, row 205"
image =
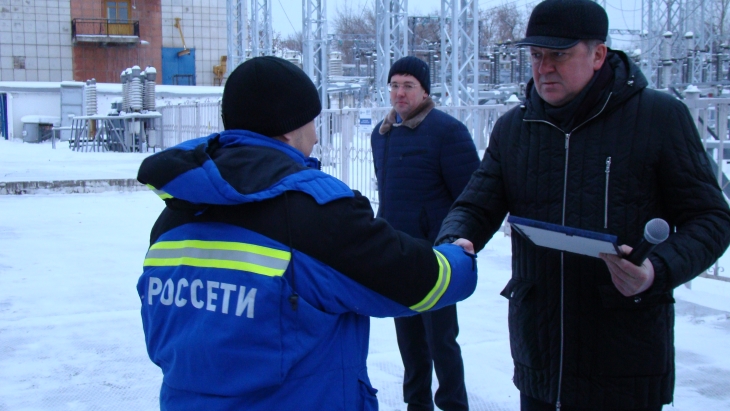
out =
column 714, row 136
column 183, row 122
column 344, row 147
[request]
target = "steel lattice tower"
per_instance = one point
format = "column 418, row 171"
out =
column 459, row 51
column 237, row 28
column 659, row 19
column 701, row 42
column 391, row 18
column 241, row 45
column 315, row 60
column 262, row 32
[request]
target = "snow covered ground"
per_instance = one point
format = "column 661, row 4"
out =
column 71, row 336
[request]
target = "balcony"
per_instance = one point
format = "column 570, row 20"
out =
column 105, row 31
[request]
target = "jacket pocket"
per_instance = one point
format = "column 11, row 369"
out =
column 523, row 323
column 368, row 400
column 635, row 337
column 611, row 298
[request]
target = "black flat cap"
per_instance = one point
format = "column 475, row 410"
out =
column 561, row 24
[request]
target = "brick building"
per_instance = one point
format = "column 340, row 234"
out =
column 64, row 40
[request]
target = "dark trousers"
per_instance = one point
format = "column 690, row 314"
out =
column 532, row 404
column 428, row 341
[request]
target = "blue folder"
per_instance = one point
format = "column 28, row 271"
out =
column 558, row 237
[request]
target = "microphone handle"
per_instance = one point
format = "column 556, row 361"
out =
column 640, row 252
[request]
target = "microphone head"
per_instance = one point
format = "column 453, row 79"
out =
column 656, row 231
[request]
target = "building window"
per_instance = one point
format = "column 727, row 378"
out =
column 18, row 62
column 117, row 11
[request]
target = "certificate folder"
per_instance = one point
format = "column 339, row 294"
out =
column 558, row 237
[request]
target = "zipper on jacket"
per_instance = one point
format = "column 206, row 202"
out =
column 605, row 198
column 558, row 404
column 562, row 279
column 565, row 175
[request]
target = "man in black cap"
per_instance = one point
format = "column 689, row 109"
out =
column 593, row 148
column 262, row 270
column 423, row 159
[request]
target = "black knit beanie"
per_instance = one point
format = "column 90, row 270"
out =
column 269, row 96
column 415, row 67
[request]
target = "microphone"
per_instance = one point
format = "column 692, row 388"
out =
column 655, row 232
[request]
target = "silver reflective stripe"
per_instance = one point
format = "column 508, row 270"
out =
column 217, row 254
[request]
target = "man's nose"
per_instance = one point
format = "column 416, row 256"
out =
column 545, row 66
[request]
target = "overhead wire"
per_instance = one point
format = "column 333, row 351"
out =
column 285, row 15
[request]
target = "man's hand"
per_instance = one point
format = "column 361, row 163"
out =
column 628, row 278
column 466, row 245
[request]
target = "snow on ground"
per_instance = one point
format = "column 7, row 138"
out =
column 71, row 336
column 39, row 162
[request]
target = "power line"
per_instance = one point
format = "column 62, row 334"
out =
column 287, row 16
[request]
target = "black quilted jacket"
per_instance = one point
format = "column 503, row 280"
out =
column 574, row 337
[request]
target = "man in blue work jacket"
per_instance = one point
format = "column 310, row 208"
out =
column 263, row 270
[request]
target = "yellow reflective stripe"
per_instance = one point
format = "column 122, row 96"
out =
column 219, row 254
column 442, row 283
column 163, row 195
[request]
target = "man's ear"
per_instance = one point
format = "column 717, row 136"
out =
column 284, row 138
column 599, row 56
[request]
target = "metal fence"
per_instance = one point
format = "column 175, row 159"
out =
column 189, row 120
column 714, row 135
column 344, row 146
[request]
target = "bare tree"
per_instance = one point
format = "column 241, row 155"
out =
column 426, row 33
column 354, row 30
column 487, row 28
column 502, row 23
column 721, row 10
column 293, row 42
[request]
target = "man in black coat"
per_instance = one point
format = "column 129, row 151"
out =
column 423, row 158
column 593, row 148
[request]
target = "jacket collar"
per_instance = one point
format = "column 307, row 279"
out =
column 237, row 138
column 236, row 167
column 417, row 116
column 627, row 80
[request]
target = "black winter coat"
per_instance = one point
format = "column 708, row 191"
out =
column 637, row 156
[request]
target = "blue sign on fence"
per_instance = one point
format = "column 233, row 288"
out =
column 366, row 117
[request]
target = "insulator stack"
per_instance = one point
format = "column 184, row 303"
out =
column 149, row 89
column 91, row 103
column 135, row 90
column 125, row 90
